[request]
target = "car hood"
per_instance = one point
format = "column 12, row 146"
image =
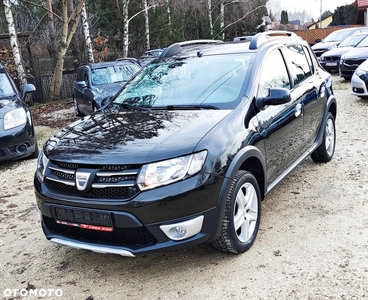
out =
column 134, row 137
column 337, row 51
column 7, row 105
column 361, row 52
column 322, row 45
column 109, row 89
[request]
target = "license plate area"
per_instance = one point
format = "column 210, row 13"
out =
column 331, row 64
column 85, row 219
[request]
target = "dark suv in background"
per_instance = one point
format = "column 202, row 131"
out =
column 187, row 150
column 17, row 134
column 97, row 82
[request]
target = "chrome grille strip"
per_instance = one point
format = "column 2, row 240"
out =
column 71, row 183
column 107, row 185
column 62, row 170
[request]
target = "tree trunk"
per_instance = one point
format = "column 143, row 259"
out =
column 147, row 29
column 209, row 5
column 14, row 43
column 51, row 46
column 222, row 18
column 125, row 27
column 87, row 37
column 117, row 9
column 66, row 36
column 169, row 22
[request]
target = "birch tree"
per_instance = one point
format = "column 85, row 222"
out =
column 69, row 26
column 86, row 34
column 209, row 6
column 14, row 43
column 146, row 23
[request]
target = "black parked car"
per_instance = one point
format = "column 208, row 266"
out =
column 97, row 82
column 351, row 60
column 17, row 134
column 330, row 60
column 334, row 39
column 187, row 150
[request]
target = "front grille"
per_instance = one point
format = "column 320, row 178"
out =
column 102, row 181
column 353, row 62
column 118, row 237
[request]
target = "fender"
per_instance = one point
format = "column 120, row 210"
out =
column 236, row 165
column 331, row 106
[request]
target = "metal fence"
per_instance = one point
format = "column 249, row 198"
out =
column 43, row 82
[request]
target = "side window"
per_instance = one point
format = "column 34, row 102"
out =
column 299, row 61
column 309, row 59
column 80, row 76
column 274, row 74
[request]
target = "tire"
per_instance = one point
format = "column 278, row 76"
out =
column 76, row 109
column 325, row 151
column 35, row 153
column 242, row 215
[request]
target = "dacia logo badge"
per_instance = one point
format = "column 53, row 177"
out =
column 81, row 180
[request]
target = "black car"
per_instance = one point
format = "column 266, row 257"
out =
column 352, row 59
column 334, row 39
column 187, row 150
column 17, row 134
column 97, row 82
column 149, row 56
column 330, row 60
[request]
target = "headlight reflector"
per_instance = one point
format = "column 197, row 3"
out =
column 169, row 171
column 42, row 162
column 14, row 118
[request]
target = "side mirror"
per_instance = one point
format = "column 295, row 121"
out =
column 27, row 88
column 82, row 84
column 276, row 96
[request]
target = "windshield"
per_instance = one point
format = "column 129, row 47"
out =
column 363, row 43
column 111, row 74
column 352, row 40
column 205, row 80
column 6, row 89
column 337, row 36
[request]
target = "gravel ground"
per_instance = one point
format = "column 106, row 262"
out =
column 312, row 243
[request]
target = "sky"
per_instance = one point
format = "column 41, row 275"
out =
column 310, row 6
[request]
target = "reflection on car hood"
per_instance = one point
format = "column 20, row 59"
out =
column 322, row 45
column 132, row 137
column 359, row 53
column 6, row 105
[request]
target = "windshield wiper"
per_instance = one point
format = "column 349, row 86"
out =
column 134, row 107
column 185, row 107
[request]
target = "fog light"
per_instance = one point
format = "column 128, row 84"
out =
column 178, row 232
column 183, row 230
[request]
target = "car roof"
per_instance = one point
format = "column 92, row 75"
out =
column 112, row 63
column 211, row 47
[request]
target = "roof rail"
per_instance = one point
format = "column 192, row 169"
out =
column 262, row 37
column 177, row 47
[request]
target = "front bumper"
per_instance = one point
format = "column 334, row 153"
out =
column 17, row 143
column 148, row 223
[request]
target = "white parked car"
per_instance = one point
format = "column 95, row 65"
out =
column 359, row 80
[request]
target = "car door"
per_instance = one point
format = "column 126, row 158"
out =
column 83, row 93
column 311, row 89
column 281, row 126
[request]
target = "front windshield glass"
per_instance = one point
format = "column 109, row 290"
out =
column 204, row 80
column 352, row 40
column 6, row 89
column 112, row 74
column 337, row 36
column 363, row 43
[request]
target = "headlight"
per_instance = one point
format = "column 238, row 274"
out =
column 42, row 162
column 359, row 72
column 331, row 47
column 14, row 118
column 169, row 171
